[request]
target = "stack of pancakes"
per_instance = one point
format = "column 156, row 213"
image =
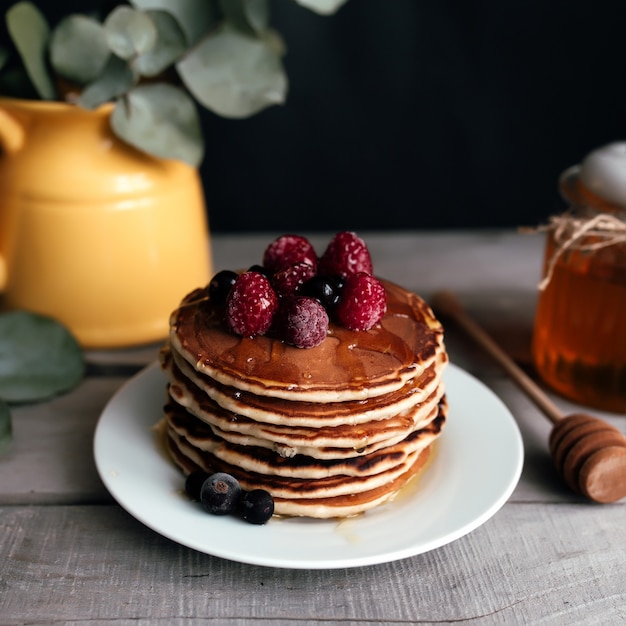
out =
column 329, row 431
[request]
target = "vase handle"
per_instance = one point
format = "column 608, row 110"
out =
column 11, row 133
column 12, row 136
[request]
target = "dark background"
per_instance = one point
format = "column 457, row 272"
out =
column 421, row 114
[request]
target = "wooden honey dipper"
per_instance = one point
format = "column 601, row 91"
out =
column 588, row 453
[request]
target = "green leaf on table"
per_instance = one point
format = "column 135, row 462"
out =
column 116, row 79
column 162, row 120
column 233, row 74
column 6, row 426
column 70, row 39
column 196, row 17
column 29, row 31
column 170, row 45
column 129, row 32
column 39, row 358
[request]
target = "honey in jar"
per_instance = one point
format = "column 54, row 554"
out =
column 579, row 339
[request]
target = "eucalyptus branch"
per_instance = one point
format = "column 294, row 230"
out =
column 157, row 61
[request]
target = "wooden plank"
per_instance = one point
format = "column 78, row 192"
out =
column 552, row 564
column 50, row 459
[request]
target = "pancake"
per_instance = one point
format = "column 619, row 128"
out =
column 269, row 462
column 341, row 368
column 322, row 508
column 277, row 410
column 324, row 441
column 325, row 497
column 329, row 431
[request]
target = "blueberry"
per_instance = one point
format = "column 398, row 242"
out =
column 194, row 482
column 257, row 506
column 326, row 289
column 261, row 270
column 220, row 494
column 220, row 286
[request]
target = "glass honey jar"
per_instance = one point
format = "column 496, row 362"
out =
column 579, row 338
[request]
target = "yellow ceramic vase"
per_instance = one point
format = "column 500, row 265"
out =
column 94, row 233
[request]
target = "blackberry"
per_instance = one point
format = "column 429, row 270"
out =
column 220, row 285
column 220, row 494
column 194, row 482
column 257, row 506
column 261, row 270
column 326, row 289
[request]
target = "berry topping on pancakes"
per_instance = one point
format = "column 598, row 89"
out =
column 251, row 304
column 302, row 322
column 362, row 303
column 290, row 279
column 295, row 296
column 346, row 254
column 287, row 250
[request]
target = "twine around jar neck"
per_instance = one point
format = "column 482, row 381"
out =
column 571, row 231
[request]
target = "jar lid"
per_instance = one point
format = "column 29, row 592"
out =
column 599, row 181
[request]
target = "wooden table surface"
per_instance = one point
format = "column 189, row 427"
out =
column 70, row 554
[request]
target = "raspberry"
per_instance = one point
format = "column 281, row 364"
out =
column 290, row 279
column 251, row 304
column 288, row 250
column 302, row 322
column 346, row 254
column 362, row 303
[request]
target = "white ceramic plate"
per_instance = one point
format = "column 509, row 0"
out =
column 476, row 466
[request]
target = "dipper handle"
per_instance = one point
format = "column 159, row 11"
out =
column 588, row 453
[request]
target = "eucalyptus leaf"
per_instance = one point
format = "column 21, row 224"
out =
column 162, row 120
column 233, row 74
column 129, row 32
column 29, row 31
column 275, row 42
column 247, row 15
column 70, row 39
column 116, row 79
column 39, row 358
column 169, row 46
column 6, row 426
column 324, row 7
column 196, row 17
